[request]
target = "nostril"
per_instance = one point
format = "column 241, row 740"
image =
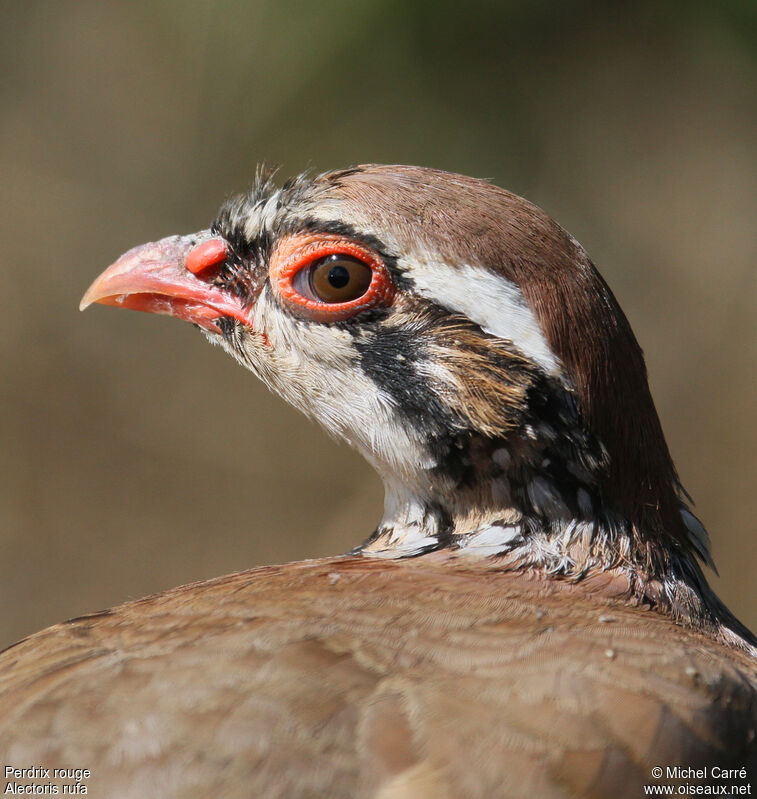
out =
column 201, row 259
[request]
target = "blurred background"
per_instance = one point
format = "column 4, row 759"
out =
column 135, row 457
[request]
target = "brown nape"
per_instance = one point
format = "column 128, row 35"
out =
column 467, row 221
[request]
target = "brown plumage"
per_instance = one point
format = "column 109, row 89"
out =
column 348, row 677
column 529, row 618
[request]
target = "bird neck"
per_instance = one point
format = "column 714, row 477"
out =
column 495, row 523
column 492, row 496
column 527, row 518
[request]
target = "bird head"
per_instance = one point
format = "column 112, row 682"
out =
column 456, row 336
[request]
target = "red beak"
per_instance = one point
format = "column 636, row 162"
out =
column 154, row 278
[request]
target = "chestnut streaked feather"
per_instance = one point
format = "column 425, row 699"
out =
column 488, row 640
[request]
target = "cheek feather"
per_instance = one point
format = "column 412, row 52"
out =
column 316, row 368
column 445, row 373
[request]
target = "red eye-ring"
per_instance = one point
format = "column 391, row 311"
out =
column 329, row 278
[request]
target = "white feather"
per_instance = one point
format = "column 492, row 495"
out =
column 489, row 300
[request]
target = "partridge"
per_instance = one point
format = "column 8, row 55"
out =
column 528, row 619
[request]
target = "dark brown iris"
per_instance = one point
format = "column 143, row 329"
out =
column 339, row 278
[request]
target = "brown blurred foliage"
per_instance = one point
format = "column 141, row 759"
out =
column 135, row 457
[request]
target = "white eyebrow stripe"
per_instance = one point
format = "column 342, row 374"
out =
column 489, row 300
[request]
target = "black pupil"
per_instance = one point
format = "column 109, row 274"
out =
column 339, row 276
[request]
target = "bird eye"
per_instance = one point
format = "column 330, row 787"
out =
column 329, row 278
column 339, row 278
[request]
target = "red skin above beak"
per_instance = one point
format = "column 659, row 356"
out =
column 154, row 278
